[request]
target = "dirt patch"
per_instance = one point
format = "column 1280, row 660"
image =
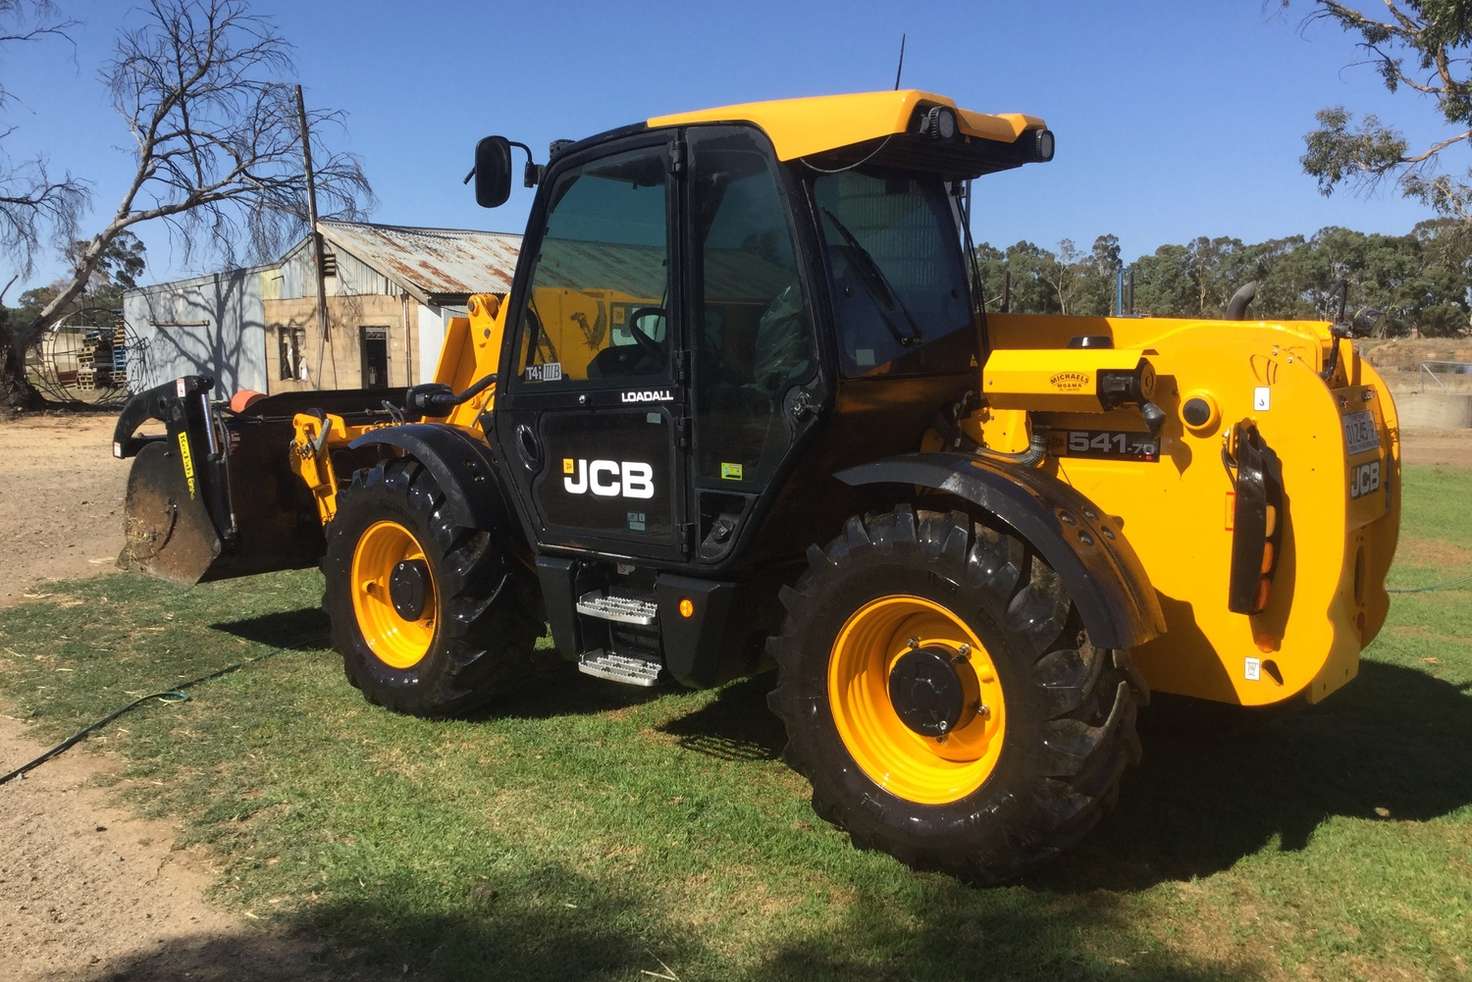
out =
column 61, row 500
column 1433, row 552
column 89, row 891
column 1450, row 448
column 1407, row 354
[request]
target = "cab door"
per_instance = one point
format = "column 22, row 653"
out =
column 756, row 388
column 591, row 416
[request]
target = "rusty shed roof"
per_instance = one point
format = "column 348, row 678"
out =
column 435, row 265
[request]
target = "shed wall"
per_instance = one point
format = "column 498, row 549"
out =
column 340, row 366
column 353, row 278
column 430, row 335
column 210, row 325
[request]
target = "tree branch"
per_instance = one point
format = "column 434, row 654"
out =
column 1436, row 148
column 1364, row 152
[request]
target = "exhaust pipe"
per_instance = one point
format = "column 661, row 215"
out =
column 1237, row 306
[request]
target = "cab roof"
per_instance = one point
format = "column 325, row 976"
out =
column 803, row 127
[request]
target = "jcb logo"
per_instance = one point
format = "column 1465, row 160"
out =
column 608, row 478
column 1364, row 478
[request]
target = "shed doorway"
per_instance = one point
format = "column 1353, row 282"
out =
column 375, row 358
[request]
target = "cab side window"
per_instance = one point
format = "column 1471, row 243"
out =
column 753, row 335
column 597, row 301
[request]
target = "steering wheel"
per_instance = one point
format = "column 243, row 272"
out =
column 651, row 347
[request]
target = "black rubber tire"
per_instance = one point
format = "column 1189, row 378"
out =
column 1071, row 707
column 486, row 630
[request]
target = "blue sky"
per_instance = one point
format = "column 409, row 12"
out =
column 1174, row 118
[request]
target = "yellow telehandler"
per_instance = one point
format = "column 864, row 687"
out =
column 742, row 405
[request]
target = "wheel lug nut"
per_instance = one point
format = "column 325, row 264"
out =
column 913, row 642
column 983, row 710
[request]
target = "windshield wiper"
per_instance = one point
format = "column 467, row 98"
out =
column 879, row 285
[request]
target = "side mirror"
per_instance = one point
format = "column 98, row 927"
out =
column 492, row 171
column 650, row 322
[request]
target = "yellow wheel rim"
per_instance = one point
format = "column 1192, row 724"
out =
column 396, row 641
column 924, row 769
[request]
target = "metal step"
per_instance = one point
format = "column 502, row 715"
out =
column 612, row 607
column 619, row 668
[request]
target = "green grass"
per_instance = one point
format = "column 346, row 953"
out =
column 589, row 831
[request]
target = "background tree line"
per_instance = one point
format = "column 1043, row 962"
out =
column 1418, row 281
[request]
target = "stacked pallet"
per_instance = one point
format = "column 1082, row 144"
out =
column 103, row 360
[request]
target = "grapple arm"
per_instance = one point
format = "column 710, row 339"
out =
column 217, row 496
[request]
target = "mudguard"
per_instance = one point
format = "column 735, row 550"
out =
column 1088, row 550
column 461, row 465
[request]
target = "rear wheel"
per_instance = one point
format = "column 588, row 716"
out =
column 430, row 618
column 942, row 696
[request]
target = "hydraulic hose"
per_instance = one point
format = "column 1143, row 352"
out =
column 1036, row 450
column 953, row 437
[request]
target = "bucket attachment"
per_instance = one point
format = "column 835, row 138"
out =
column 215, row 496
column 167, row 531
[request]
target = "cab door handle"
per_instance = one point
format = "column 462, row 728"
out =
column 528, row 447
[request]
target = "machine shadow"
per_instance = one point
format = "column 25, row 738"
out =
column 553, row 688
column 948, row 930
column 305, row 629
column 1218, row 785
column 556, row 688
column 551, row 922
column 736, row 725
column 543, row 922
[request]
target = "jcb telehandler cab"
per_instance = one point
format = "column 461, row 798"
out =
column 742, row 403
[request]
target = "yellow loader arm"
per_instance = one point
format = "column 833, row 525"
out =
column 471, row 346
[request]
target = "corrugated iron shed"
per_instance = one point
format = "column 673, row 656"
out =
column 435, row 265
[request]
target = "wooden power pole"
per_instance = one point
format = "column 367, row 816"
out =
column 301, row 115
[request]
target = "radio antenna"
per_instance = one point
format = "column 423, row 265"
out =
column 900, row 70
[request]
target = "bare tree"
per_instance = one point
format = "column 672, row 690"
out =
column 203, row 87
column 32, row 201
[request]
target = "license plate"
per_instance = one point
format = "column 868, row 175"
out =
column 1110, row 444
column 1359, row 433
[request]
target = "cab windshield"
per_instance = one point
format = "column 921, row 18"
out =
column 900, row 292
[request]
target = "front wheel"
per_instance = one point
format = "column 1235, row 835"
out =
column 942, row 696
column 430, row 617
